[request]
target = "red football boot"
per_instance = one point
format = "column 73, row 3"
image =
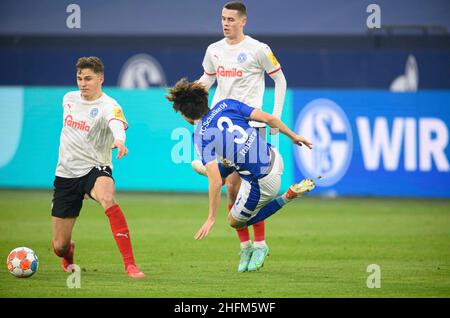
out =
column 134, row 272
column 68, row 258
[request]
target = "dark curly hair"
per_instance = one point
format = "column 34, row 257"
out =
column 189, row 98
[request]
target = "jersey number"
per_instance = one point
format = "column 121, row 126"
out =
column 231, row 128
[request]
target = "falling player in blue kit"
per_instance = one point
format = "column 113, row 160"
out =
column 223, row 134
column 238, row 63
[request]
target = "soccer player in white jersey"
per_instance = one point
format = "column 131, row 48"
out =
column 239, row 63
column 93, row 124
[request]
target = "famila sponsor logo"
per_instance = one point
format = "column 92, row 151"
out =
column 234, row 72
column 81, row 125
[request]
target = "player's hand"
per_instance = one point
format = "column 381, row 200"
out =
column 298, row 140
column 204, row 230
column 122, row 150
column 274, row 131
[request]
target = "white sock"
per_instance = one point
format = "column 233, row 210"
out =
column 260, row 244
column 246, row 244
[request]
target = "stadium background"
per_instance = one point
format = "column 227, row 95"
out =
column 325, row 53
column 376, row 102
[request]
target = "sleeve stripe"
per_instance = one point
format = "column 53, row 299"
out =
column 275, row 71
column 210, row 74
column 124, row 123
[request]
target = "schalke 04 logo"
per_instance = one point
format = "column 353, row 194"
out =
column 325, row 124
column 141, row 71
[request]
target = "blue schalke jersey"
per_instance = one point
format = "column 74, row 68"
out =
column 225, row 134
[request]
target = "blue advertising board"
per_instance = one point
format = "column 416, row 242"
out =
column 374, row 142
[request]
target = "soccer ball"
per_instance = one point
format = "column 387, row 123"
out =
column 22, row 262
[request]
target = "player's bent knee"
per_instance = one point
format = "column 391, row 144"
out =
column 234, row 223
column 233, row 185
column 237, row 225
column 232, row 192
column 107, row 200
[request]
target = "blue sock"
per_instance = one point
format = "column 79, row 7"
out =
column 269, row 209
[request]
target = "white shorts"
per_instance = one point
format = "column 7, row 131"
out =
column 256, row 194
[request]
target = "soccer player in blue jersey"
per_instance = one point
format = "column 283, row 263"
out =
column 238, row 63
column 223, row 135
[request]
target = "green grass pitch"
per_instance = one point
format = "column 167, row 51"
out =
column 319, row 248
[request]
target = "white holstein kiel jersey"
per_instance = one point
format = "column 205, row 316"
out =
column 239, row 70
column 86, row 138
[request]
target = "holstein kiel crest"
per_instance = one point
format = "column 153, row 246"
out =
column 94, row 112
column 242, row 57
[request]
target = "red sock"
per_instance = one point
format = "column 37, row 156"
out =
column 121, row 234
column 243, row 233
column 259, row 231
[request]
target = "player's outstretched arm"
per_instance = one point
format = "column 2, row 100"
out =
column 118, row 130
column 122, row 150
column 207, row 80
column 280, row 93
column 215, row 185
column 274, row 122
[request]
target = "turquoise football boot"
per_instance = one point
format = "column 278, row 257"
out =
column 258, row 257
column 246, row 255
